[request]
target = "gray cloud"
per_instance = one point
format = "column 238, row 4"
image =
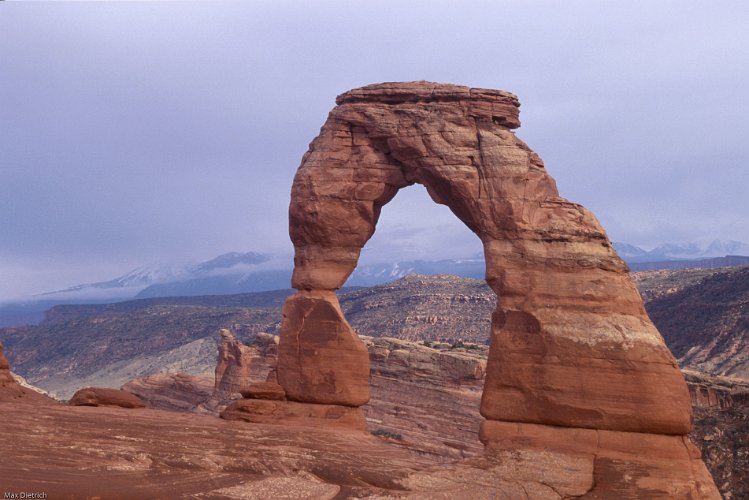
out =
column 140, row 132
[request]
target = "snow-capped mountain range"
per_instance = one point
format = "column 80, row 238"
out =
column 694, row 250
column 145, row 276
column 253, row 272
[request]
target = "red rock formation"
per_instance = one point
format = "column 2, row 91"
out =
column 171, row 391
column 10, row 390
column 232, row 366
column 571, row 343
column 320, row 358
column 100, row 396
column 286, row 413
column 264, row 390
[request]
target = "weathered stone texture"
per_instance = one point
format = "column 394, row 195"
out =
column 575, row 364
column 101, row 396
column 264, row 390
column 320, row 358
column 612, row 464
column 571, row 342
column 11, row 390
column 233, row 365
column 171, row 391
column 290, row 413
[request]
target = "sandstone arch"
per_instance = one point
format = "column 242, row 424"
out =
column 571, row 342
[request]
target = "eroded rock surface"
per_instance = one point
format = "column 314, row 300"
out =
column 100, row 396
column 721, row 430
column 112, row 452
column 172, row 391
column 11, row 390
column 320, row 358
column 274, row 412
column 233, row 365
column 426, row 399
column 264, row 390
column 571, row 342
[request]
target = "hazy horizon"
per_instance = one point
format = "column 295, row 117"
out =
column 169, row 132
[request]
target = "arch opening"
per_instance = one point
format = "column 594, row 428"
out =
column 415, row 235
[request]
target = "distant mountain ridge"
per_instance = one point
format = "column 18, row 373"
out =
column 162, row 273
column 695, row 250
column 247, row 272
column 709, row 263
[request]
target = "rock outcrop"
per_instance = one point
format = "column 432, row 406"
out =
column 11, row 390
column 232, row 366
column 423, row 414
column 571, row 343
column 320, row 358
column 290, row 413
column 171, row 391
column 425, row 398
column 721, row 430
column 100, row 396
column 264, row 390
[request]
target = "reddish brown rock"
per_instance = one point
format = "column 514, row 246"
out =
column 4, row 365
column 571, row 342
column 99, row 396
column 290, row 413
column 264, row 390
column 320, row 358
column 237, row 365
column 232, row 366
column 426, row 399
column 11, row 390
column 171, row 391
column 612, row 464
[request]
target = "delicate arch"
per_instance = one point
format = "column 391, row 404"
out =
column 571, row 342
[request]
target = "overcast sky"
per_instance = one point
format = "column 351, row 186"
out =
column 137, row 133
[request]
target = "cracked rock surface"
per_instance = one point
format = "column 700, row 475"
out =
column 571, row 343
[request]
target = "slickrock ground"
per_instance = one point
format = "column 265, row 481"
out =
column 119, row 453
column 426, row 400
column 424, row 410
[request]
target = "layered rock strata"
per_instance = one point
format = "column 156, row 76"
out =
column 290, row 413
column 11, row 390
column 571, row 343
column 171, row 391
column 264, row 390
column 100, row 396
column 320, row 358
column 232, row 365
